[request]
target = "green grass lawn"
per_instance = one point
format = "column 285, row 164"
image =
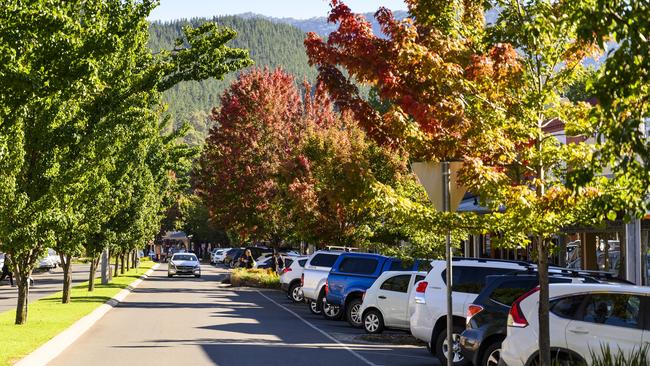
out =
column 47, row 317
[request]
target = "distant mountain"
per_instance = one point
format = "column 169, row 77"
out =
column 269, row 43
column 319, row 25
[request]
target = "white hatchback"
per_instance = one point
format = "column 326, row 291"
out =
column 184, row 264
column 583, row 318
column 386, row 302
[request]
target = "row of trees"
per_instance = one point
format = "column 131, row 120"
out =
column 284, row 166
column 460, row 89
column 83, row 162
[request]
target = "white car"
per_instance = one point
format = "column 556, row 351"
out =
column 314, row 277
column 51, row 260
column 386, row 302
column 583, row 318
column 290, row 278
column 429, row 319
column 184, row 264
column 218, row 255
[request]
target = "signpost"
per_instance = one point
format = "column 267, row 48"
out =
column 436, row 179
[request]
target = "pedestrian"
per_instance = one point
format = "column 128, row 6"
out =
column 247, row 260
column 6, row 272
column 277, row 263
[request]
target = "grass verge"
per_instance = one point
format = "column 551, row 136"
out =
column 47, row 317
column 254, row 278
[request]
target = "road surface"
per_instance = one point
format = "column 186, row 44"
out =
column 46, row 283
column 188, row 321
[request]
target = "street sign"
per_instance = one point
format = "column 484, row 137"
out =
column 430, row 176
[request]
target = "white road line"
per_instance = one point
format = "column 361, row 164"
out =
column 319, row 330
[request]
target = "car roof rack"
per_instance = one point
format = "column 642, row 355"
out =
column 486, row 260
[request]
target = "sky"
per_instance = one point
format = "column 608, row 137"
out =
column 301, row 9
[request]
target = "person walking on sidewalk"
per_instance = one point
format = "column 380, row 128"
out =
column 7, row 273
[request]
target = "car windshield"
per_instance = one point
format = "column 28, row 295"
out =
column 184, row 257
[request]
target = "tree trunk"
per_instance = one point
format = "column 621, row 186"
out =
column 544, row 329
column 94, row 262
column 122, row 263
column 127, row 258
column 117, row 267
column 22, row 281
column 67, row 277
column 135, row 259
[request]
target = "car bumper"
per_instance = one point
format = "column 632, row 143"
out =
column 176, row 271
column 470, row 342
column 421, row 323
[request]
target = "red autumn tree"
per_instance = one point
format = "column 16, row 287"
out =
column 257, row 128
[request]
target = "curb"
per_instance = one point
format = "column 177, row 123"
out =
column 55, row 346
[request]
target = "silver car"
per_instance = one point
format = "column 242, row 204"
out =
column 184, row 264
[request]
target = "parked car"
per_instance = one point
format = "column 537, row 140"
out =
column 2, row 260
column 257, row 252
column 351, row 275
column 232, row 255
column 386, row 302
column 290, row 278
column 217, row 255
column 184, row 264
column 429, row 320
column 314, row 277
column 266, row 262
column 487, row 315
column 50, row 261
column 582, row 319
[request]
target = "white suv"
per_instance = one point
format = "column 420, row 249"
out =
column 386, row 302
column 290, row 278
column 314, row 277
column 583, row 318
column 429, row 319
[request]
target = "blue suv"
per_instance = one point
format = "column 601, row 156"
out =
column 351, row 275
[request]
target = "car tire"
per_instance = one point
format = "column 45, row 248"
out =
column 197, row 276
column 353, row 313
column 169, row 276
column 491, row 355
column 294, row 293
column 314, row 307
column 441, row 348
column 373, row 322
column 330, row 312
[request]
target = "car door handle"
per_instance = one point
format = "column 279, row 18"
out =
column 382, row 297
column 579, row 331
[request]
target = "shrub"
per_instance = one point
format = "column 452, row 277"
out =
column 262, row 278
column 638, row 357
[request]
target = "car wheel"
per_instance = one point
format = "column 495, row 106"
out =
column 442, row 347
column 197, row 276
column 330, row 312
column 353, row 313
column 373, row 322
column 169, row 275
column 295, row 293
column 491, row 355
column 314, row 308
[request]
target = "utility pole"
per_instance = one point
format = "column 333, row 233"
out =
column 450, row 315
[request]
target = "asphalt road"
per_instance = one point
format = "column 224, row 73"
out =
column 188, row 321
column 45, row 283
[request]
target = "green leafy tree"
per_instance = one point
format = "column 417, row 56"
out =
column 65, row 68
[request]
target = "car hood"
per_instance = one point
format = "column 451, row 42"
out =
column 185, row 263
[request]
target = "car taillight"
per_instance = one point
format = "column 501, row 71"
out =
column 422, row 287
column 516, row 316
column 325, row 287
column 471, row 311
column 302, row 280
column 286, row 269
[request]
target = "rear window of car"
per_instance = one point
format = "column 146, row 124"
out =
column 302, row 262
column 323, row 260
column 364, row 266
column 471, row 280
